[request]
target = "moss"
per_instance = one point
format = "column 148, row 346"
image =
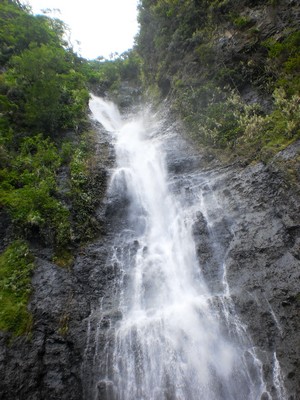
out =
column 86, row 189
column 206, row 53
column 273, row 3
column 63, row 328
column 289, row 47
column 16, row 265
column 63, row 258
column 242, row 22
column 290, row 170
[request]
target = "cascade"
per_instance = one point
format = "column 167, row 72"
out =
column 177, row 339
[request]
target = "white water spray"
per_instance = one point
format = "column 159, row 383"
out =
column 170, row 344
column 278, row 379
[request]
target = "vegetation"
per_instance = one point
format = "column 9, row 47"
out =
column 189, row 55
column 106, row 77
column 85, row 192
column 16, row 265
column 28, row 188
column 43, row 95
column 44, row 92
column 107, row 74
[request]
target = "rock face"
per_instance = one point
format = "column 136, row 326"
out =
column 250, row 223
column 42, row 366
column 48, row 363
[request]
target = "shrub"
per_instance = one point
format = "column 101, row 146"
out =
column 16, row 265
column 29, row 191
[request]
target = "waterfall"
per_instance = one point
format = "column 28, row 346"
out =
column 172, row 342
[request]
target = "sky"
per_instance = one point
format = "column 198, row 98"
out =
column 102, row 27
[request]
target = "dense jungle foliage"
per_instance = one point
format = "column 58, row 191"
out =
column 43, row 95
column 230, row 69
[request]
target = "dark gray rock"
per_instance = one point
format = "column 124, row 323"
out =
column 44, row 364
column 48, row 363
column 260, row 207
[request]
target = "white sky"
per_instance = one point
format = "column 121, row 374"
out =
column 101, row 26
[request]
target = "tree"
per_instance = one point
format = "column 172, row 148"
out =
column 51, row 94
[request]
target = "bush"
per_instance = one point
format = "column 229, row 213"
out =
column 51, row 94
column 84, row 198
column 16, row 265
column 29, row 191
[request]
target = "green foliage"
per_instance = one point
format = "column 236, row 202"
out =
column 41, row 88
column 106, row 75
column 279, row 127
column 43, row 93
column 84, row 198
column 220, row 126
column 64, row 257
column 206, row 53
column 167, row 29
column 211, row 114
column 16, row 265
column 19, row 29
column 64, row 322
column 130, row 66
column 209, row 53
column 28, row 190
column 289, row 47
column 221, row 119
column 242, row 22
column 49, row 93
column 284, row 62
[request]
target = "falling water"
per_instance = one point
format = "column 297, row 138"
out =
column 170, row 343
column 278, row 379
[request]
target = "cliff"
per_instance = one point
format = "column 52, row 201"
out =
column 229, row 72
column 230, row 69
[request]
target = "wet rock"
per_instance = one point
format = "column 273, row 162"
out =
column 262, row 260
column 48, row 363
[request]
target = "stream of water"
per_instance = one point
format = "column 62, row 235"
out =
column 174, row 340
